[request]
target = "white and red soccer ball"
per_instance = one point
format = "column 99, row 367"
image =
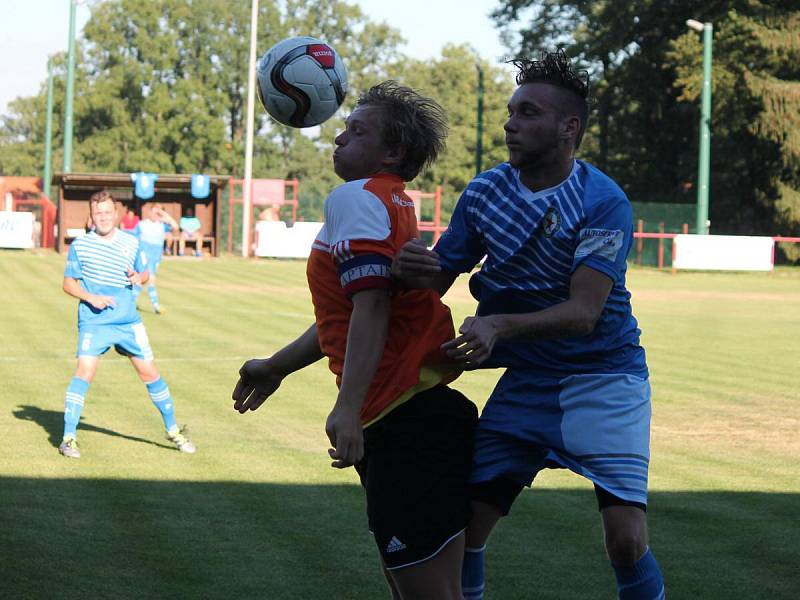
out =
column 301, row 81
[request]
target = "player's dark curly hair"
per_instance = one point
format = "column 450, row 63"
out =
column 556, row 69
column 413, row 122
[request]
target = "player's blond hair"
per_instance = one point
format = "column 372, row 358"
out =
column 412, row 122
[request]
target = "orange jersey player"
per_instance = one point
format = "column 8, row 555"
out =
column 366, row 222
column 408, row 435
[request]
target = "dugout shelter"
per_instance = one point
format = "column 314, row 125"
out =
column 173, row 192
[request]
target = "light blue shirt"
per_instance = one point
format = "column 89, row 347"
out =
column 102, row 266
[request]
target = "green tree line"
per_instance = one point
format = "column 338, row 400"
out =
column 646, row 68
column 161, row 86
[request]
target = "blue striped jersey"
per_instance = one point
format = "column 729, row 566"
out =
column 533, row 242
column 101, row 265
column 151, row 232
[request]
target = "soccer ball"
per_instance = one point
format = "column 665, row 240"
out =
column 301, row 81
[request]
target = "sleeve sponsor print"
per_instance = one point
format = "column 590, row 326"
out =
column 600, row 243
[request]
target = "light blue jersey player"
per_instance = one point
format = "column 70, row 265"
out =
column 554, row 311
column 152, row 232
column 103, row 267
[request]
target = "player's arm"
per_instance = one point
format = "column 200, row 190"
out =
column 576, row 316
column 416, row 267
column 259, row 378
column 167, row 218
column 366, row 338
column 73, row 287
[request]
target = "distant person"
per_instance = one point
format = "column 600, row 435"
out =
column 272, row 213
column 129, row 221
column 151, row 233
column 102, row 269
column 407, row 433
column 190, row 230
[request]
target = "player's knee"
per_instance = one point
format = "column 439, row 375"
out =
column 626, row 547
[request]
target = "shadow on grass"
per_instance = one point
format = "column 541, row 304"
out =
column 53, row 423
column 126, row 538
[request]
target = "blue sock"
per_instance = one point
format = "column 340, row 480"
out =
column 472, row 580
column 159, row 394
column 73, row 404
column 153, row 293
column 642, row 581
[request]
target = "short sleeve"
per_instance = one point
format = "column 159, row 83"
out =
column 605, row 239
column 137, row 231
column 73, row 268
column 140, row 264
column 461, row 246
column 358, row 228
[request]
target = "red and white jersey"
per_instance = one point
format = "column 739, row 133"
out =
column 367, row 221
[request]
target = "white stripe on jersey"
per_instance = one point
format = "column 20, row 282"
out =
column 105, row 262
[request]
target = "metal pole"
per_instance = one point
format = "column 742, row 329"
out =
column 70, row 88
column 479, row 127
column 248, row 152
column 48, row 132
column 703, row 174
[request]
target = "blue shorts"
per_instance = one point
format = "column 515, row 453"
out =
column 595, row 425
column 128, row 340
column 154, row 255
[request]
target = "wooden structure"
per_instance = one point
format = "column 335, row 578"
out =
column 26, row 194
column 435, row 224
column 173, row 192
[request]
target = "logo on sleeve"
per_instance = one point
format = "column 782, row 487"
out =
column 551, row 222
column 603, row 243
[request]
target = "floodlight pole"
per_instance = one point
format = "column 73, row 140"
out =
column 70, row 89
column 703, row 169
column 48, row 132
column 248, row 152
column 479, row 125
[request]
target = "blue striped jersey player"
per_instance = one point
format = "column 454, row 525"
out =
column 152, row 232
column 553, row 310
column 103, row 269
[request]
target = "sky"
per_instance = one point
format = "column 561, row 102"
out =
column 34, row 29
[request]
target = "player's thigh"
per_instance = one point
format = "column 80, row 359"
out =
column 439, row 577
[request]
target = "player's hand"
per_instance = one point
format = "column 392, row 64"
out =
column 134, row 278
column 258, row 380
column 346, row 436
column 101, row 302
column 475, row 344
column 414, row 263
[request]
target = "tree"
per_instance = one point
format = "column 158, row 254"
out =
column 161, row 86
column 646, row 67
column 452, row 80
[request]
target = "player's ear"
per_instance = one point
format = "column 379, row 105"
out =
column 394, row 156
column 570, row 127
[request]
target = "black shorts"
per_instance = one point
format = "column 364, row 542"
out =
column 415, row 469
column 501, row 493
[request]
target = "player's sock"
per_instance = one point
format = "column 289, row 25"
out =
column 159, row 394
column 472, row 580
column 642, row 581
column 73, row 404
column 153, row 293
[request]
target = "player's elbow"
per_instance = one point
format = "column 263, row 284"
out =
column 586, row 321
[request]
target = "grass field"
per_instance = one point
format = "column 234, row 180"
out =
column 257, row 512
